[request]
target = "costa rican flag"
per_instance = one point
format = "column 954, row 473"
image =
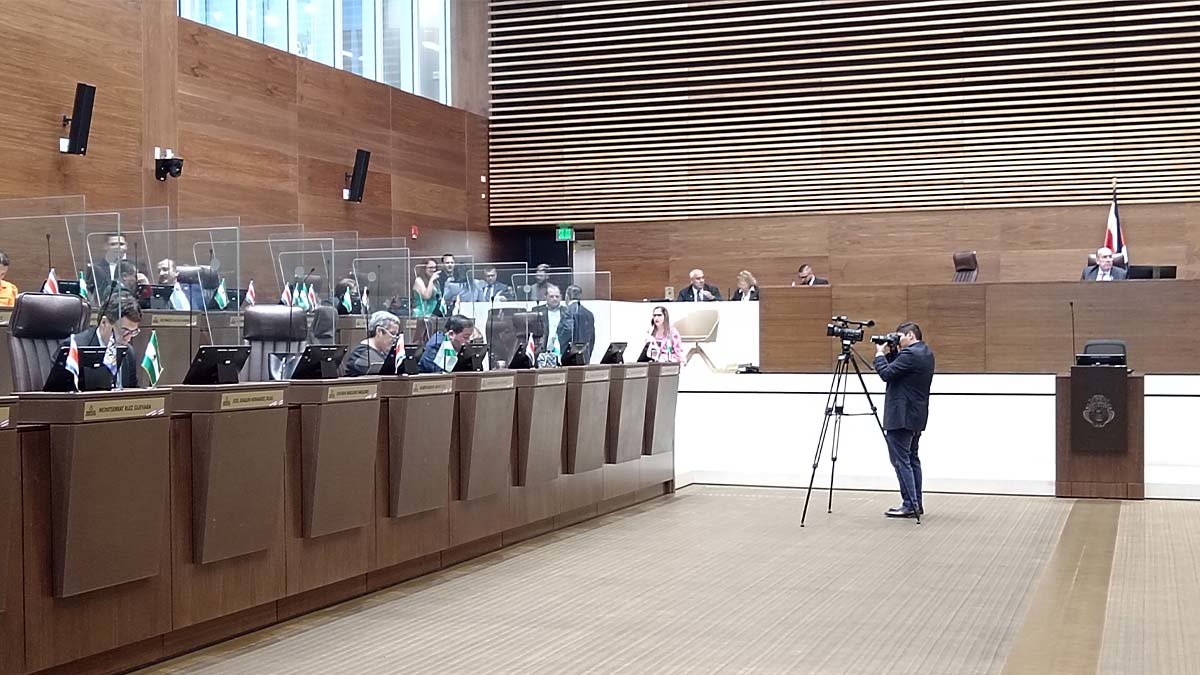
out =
column 250, row 293
column 51, row 284
column 72, row 364
column 1114, row 236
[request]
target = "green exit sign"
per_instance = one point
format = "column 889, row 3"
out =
column 564, row 233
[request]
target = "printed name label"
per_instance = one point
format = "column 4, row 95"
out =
column 353, row 392
column 238, row 400
column 173, row 320
column 496, row 383
column 595, row 376
column 669, row 370
column 360, row 322
column 634, row 373
column 236, row 321
column 424, row 388
column 552, row 378
column 123, row 408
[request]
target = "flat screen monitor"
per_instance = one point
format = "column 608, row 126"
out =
column 520, row 359
column 319, row 362
column 93, row 374
column 470, row 358
column 1100, row 359
column 153, row 296
column 411, row 365
column 235, row 296
column 217, row 364
column 68, row 287
column 644, row 356
column 615, row 354
column 576, row 354
column 1149, row 272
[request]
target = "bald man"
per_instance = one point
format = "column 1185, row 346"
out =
column 1104, row 270
column 698, row 291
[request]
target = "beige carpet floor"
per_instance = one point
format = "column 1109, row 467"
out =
column 709, row 580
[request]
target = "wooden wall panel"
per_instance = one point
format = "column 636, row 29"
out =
column 469, row 70
column 619, row 110
column 475, row 185
column 952, row 320
column 792, row 329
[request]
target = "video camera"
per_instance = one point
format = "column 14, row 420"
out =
column 892, row 339
column 847, row 330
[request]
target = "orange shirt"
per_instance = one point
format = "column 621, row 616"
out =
column 8, row 294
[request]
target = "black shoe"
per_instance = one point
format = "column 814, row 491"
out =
column 900, row 512
column 921, row 509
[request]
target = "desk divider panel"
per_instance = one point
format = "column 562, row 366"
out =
column 541, row 408
column 626, row 413
column 421, row 417
column 662, row 394
column 338, row 452
column 587, row 418
column 179, row 335
column 486, row 402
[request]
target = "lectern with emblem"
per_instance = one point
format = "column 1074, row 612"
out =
column 1099, row 430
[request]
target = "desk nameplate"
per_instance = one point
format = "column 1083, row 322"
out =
column 428, row 388
column 245, row 400
column 173, row 320
column 352, row 392
column 489, row 383
column 124, row 408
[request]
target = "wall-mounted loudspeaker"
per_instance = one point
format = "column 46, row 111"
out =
column 80, row 121
column 357, row 181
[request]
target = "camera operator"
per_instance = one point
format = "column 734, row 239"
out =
column 906, row 364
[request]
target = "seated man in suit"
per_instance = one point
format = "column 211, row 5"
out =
column 457, row 332
column 1103, row 270
column 492, row 289
column 697, row 290
column 805, row 277
column 383, row 329
column 908, row 372
column 120, row 318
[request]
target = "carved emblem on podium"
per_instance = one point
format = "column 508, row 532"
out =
column 1099, row 411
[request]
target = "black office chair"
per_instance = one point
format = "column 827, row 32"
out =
column 39, row 324
column 324, row 324
column 1105, row 347
column 271, row 329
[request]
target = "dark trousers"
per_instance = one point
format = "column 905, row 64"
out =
column 902, row 449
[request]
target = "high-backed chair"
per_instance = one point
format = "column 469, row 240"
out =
column 966, row 267
column 697, row 328
column 1105, row 347
column 1119, row 260
column 271, row 329
column 323, row 324
column 39, row 324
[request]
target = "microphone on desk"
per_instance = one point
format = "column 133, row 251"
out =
column 49, row 264
column 1072, row 305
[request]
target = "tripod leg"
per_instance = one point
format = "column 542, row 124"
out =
column 839, row 376
column 837, row 434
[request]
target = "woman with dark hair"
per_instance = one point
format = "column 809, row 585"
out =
column 426, row 298
column 663, row 343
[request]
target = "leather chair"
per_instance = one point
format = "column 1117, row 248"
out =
column 323, row 324
column 1119, row 260
column 271, row 329
column 39, row 324
column 966, row 267
column 1105, row 347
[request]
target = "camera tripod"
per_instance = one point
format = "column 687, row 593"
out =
column 835, row 410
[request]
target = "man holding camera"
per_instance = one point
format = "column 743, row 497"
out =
column 906, row 364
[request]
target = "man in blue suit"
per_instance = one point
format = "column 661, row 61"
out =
column 909, row 374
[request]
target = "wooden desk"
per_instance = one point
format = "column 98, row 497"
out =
column 12, row 605
column 989, row 328
column 581, row 485
column 228, row 444
column 658, row 439
column 96, row 472
column 626, row 424
column 537, row 453
column 1095, row 472
column 481, row 461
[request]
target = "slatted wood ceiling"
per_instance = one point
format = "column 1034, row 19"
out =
column 620, row 110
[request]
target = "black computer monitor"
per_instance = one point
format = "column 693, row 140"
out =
column 520, row 359
column 217, row 364
column 93, row 374
column 319, row 362
column 1100, row 359
column 235, row 297
column 1152, row 271
column 154, row 296
column 644, row 356
column 615, row 354
column 470, row 358
column 355, row 305
column 68, row 287
column 576, row 354
column 411, row 365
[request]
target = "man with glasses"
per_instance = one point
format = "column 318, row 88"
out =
column 120, row 317
column 383, row 329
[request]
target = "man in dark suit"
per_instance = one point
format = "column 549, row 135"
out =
column 909, row 374
column 491, row 289
column 120, row 317
column 100, row 275
column 554, row 320
column 698, row 291
column 582, row 323
column 805, row 277
column 1103, row 270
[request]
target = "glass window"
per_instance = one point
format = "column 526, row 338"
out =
column 265, row 21
column 358, row 37
column 312, row 29
column 216, row 13
column 431, row 49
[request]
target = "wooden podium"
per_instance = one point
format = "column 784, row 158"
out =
column 1099, row 433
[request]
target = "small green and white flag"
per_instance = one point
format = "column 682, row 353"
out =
column 301, row 297
column 221, row 297
column 447, row 356
column 347, row 302
column 555, row 347
column 82, row 286
column 150, row 360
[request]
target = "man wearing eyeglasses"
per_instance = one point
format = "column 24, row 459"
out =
column 120, row 318
column 367, row 357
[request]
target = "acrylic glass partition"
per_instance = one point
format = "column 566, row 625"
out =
column 42, row 206
column 307, row 264
column 195, row 270
column 386, row 281
column 533, row 286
